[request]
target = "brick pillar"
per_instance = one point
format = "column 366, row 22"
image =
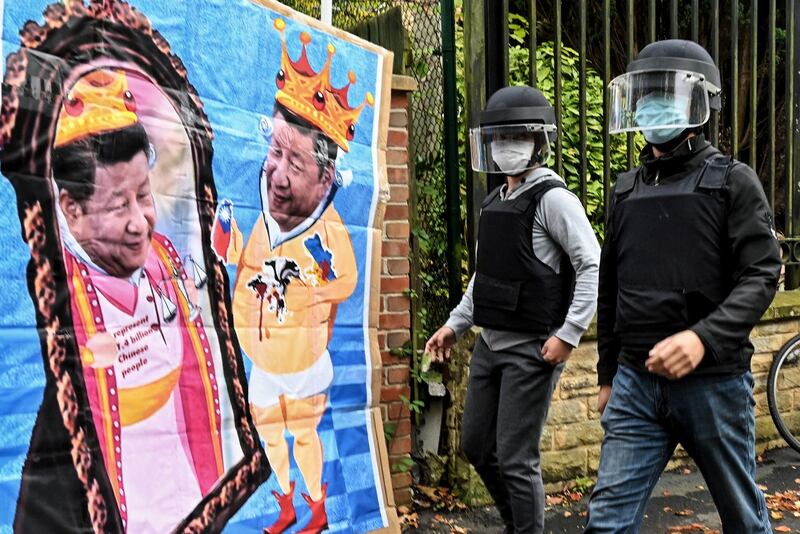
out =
column 394, row 326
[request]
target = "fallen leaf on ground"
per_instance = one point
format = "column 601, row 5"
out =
column 429, row 493
column 553, row 500
column 666, row 493
column 567, row 513
column 427, row 490
column 694, row 527
column 440, row 498
column 763, row 487
column 784, row 501
column 776, row 515
column 684, row 512
column 686, row 471
column 408, row 520
column 455, row 529
column 783, row 528
column 440, row 518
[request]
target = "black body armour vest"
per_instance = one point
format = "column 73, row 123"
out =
column 513, row 289
column 671, row 253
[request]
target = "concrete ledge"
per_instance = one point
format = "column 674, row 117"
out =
column 785, row 306
column 403, row 83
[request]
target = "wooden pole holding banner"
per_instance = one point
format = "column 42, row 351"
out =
column 475, row 89
column 452, row 192
column 326, row 11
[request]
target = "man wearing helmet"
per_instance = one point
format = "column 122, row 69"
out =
column 689, row 264
column 533, row 293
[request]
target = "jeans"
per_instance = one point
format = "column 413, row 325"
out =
column 507, row 400
column 644, row 420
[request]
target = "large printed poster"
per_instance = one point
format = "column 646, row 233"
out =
column 189, row 252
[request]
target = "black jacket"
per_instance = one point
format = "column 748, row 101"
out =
column 754, row 257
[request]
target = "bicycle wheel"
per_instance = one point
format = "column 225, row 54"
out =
column 784, row 377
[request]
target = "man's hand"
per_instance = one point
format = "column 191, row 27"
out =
column 438, row 346
column 676, row 356
column 555, row 350
column 602, row 398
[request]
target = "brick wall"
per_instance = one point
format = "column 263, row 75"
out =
column 394, row 324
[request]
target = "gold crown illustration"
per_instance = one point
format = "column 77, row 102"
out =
column 98, row 102
column 311, row 96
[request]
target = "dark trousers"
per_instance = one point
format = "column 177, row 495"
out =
column 507, row 400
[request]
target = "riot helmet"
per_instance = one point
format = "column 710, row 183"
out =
column 514, row 132
column 671, row 87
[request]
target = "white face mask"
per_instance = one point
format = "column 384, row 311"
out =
column 512, row 156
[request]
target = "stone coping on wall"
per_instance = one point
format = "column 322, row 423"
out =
column 403, row 83
column 785, row 306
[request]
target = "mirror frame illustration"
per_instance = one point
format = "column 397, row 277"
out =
column 74, row 39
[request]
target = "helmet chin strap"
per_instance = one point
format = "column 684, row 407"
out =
column 673, row 144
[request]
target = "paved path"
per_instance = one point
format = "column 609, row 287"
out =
column 679, row 500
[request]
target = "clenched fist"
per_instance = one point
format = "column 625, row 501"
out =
column 676, row 356
column 555, row 350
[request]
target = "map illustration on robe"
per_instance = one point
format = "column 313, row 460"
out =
column 322, row 258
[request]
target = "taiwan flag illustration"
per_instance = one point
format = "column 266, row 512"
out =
column 225, row 234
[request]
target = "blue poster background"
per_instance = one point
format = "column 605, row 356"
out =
column 232, row 53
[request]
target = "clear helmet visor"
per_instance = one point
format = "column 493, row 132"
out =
column 652, row 101
column 509, row 149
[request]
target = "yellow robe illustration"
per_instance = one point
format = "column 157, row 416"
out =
column 292, row 341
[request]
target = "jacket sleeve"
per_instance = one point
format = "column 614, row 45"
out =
column 460, row 319
column 564, row 220
column 608, row 343
column 755, row 266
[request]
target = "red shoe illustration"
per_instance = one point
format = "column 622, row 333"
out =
column 319, row 518
column 287, row 517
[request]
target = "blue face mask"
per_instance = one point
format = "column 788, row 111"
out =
column 655, row 110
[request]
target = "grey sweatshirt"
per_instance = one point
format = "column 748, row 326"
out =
column 559, row 225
